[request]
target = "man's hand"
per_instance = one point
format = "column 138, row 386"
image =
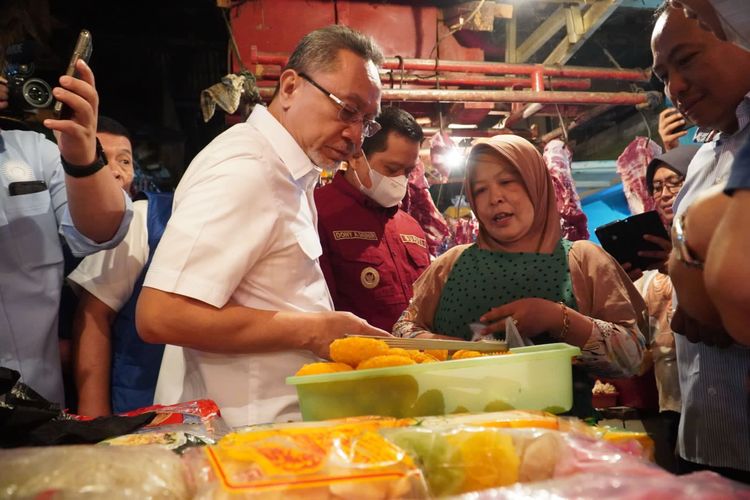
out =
column 77, row 136
column 713, row 335
column 532, row 317
column 3, row 93
column 334, row 325
column 670, row 121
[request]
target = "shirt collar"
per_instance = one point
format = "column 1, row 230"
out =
column 282, row 142
column 743, row 118
column 743, row 112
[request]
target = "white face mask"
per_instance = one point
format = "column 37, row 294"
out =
column 386, row 191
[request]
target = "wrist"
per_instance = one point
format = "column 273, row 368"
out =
column 563, row 322
column 100, row 160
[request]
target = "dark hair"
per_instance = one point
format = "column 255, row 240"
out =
column 109, row 125
column 392, row 119
column 319, row 49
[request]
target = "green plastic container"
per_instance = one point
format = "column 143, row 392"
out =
column 531, row 378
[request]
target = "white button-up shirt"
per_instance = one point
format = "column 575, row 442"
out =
column 243, row 229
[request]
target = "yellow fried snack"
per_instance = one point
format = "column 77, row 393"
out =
column 386, row 360
column 439, row 354
column 488, row 459
column 318, row 368
column 354, row 350
column 464, row 354
column 422, row 357
column 397, row 351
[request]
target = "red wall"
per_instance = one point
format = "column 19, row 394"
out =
column 405, row 30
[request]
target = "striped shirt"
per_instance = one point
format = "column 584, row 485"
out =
column 715, row 425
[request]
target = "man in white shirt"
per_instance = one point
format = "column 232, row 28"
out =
column 236, row 279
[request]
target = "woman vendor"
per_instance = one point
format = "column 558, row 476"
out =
column 520, row 267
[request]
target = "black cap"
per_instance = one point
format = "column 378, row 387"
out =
column 676, row 160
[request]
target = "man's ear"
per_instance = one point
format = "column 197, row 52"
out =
column 289, row 83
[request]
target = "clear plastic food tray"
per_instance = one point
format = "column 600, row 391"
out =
column 530, row 378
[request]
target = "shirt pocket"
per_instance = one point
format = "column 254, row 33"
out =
column 24, row 206
column 29, row 223
column 309, row 241
column 365, row 277
column 419, row 256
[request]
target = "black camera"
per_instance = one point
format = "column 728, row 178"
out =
column 25, row 93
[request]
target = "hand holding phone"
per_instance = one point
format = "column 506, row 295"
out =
column 632, row 241
column 83, row 48
column 75, row 130
column 672, row 126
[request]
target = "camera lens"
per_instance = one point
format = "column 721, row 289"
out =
column 37, row 93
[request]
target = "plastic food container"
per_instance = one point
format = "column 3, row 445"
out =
column 530, row 378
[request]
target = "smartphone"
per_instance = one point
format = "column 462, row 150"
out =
column 623, row 239
column 82, row 50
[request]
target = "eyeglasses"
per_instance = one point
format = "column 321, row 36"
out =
column 673, row 185
column 347, row 114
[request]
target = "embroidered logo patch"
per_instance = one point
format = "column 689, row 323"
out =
column 370, row 277
column 355, row 235
column 16, row 171
column 416, row 240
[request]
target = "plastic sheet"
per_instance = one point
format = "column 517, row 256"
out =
column 334, row 460
column 177, row 427
column 90, row 471
column 617, row 484
column 457, row 457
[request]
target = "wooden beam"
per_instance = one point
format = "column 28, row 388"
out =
column 541, row 35
column 592, row 19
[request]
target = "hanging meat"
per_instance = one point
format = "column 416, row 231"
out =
column 574, row 223
column 418, row 203
column 631, row 166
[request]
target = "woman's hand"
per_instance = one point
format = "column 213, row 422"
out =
column 532, row 316
column 660, row 256
column 633, row 272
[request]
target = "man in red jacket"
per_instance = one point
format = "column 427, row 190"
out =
column 372, row 250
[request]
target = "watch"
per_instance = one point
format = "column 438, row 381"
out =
column 99, row 162
column 684, row 254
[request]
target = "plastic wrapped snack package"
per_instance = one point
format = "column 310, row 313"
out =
column 177, row 427
column 500, row 419
column 344, row 460
column 92, row 471
column 616, row 484
column 460, row 460
column 583, row 453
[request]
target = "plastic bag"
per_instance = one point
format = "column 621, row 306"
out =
column 92, row 471
column 512, row 337
column 177, row 427
column 323, row 460
column 459, row 458
column 616, row 484
column 27, row 419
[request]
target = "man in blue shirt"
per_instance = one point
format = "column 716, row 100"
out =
column 714, row 427
column 48, row 191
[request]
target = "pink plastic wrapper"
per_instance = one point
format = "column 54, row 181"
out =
column 613, row 483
